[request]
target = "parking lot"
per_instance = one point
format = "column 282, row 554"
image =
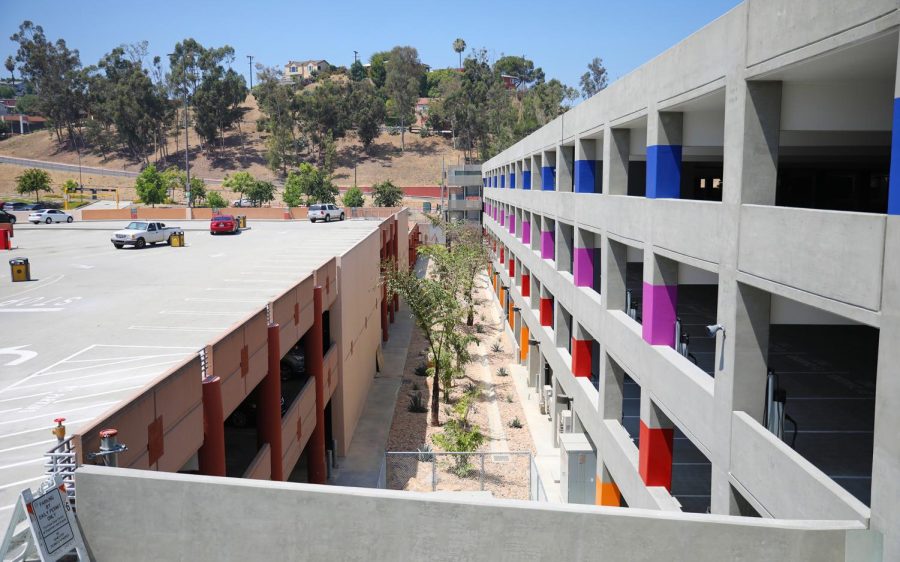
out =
column 96, row 323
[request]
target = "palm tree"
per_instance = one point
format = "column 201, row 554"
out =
column 459, row 46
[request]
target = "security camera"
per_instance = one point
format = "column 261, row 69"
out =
column 713, row 328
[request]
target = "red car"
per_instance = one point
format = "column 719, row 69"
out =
column 223, row 223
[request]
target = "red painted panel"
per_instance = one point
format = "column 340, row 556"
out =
column 526, row 285
column 655, row 456
column 581, row 358
column 546, row 312
column 512, row 268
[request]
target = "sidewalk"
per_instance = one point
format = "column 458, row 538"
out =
column 362, row 464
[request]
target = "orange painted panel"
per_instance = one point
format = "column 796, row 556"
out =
column 182, row 440
column 255, row 333
column 179, row 393
column 261, row 466
column 131, row 420
column 259, row 368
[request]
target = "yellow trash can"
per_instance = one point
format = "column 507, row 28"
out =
column 176, row 240
column 242, row 221
column 20, row 269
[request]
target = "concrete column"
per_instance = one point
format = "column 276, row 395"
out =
column 548, row 239
column 607, row 492
column 315, row 365
column 269, row 414
column 546, row 310
column 584, row 259
column 534, row 365
column 582, row 349
column 664, row 147
column 503, row 177
column 565, row 242
column 537, row 172
column 613, row 268
column 565, row 168
column 587, row 180
column 886, row 460
column 656, row 441
column 512, row 222
column 660, row 297
column 750, row 170
column 548, row 171
column 512, row 175
column 526, row 228
column 212, row 453
column 616, row 153
column 612, row 389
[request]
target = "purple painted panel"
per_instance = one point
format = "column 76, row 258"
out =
column 659, row 314
column 502, row 218
column 526, row 232
column 548, row 245
column 584, row 267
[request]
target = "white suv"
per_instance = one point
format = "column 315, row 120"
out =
column 325, row 212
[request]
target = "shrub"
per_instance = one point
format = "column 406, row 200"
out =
column 425, row 453
column 509, row 398
column 417, row 404
column 472, row 389
column 497, row 348
column 502, row 372
column 479, row 329
column 421, row 370
column 515, row 423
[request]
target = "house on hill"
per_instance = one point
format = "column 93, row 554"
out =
column 306, row 68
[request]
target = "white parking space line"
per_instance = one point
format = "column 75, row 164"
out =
column 30, row 309
column 70, row 423
column 27, row 445
column 50, row 281
column 116, row 361
column 100, row 405
column 83, row 396
column 252, row 280
column 61, row 361
column 242, row 289
column 202, row 299
column 125, row 357
column 20, row 482
column 24, row 397
column 175, row 329
column 107, row 372
column 196, row 313
column 5, row 507
column 23, row 463
column 95, row 375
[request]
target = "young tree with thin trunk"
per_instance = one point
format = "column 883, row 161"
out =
column 33, row 180
column 404, row 74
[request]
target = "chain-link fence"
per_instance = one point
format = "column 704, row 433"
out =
column 509, row 475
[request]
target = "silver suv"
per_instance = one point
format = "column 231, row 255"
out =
column 325, row 212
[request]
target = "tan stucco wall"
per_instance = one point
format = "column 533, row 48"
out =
column 358, row 326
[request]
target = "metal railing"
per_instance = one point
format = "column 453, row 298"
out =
column 62, row 460
column 510, row 475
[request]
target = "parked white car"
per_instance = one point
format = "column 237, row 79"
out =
column 325, row 212
column 241, row 203
column 141, row 233
column 49, row 215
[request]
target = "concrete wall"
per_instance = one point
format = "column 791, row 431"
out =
column 179, row 517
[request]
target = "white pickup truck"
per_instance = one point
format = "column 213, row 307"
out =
column 141, row 233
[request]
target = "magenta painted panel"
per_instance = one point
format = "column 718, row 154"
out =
column 526, row 232
column 584, row 267
column 659, row 314
column 548, row 246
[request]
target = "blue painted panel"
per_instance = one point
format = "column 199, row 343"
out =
column 512, row 180
column 502, row 180
column 526, row 179
column 585, row 176
column 894, row 181
column 548, row 178
column 664, row 171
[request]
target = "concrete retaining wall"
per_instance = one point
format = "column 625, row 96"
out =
column 155, row 516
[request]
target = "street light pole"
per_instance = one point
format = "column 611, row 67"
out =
column 187, row 162
column 251, row 72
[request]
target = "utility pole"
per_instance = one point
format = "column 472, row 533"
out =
column 355, row 56
column 251, row 72
column 187, row 161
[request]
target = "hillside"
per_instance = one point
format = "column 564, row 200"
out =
column 419, row 165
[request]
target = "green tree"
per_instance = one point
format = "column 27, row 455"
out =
column 261, row 192
column 460, row 434
column 595, row 79
column 69, row 186
column 404, row 73
column 357, row 71
column 325, row 111
column 377, row 68
column 7, row 92
column 353, row 197
column 239, row 182
column 29, row 104
column 386, row 194
column 367, row 112
column 5, row 129
column 293, row 190
column 198, row 191
column 458, row 47
column 10, row 65
column 329, row 154
column 150, row 186
column 215, row 200
column 33, row 180
column 522, row 70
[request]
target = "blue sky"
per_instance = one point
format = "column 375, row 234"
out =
column 560, row 36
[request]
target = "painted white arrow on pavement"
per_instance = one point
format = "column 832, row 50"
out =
column 24, row 354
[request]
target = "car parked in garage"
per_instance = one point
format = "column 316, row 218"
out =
column 49, row 216
column 325, row 212
column 220, row 224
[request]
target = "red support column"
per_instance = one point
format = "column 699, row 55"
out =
column 315, row 364
column 581, row 358
column 212, row 454
column 655, row 447
column 269, row 417
column 512, row 270
column 547, row 311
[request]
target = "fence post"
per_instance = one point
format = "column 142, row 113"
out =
column 434, row 473
column 482, row 471
column 531, row 486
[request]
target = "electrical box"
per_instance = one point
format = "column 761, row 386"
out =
column 565, row 421
column 578, row 469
